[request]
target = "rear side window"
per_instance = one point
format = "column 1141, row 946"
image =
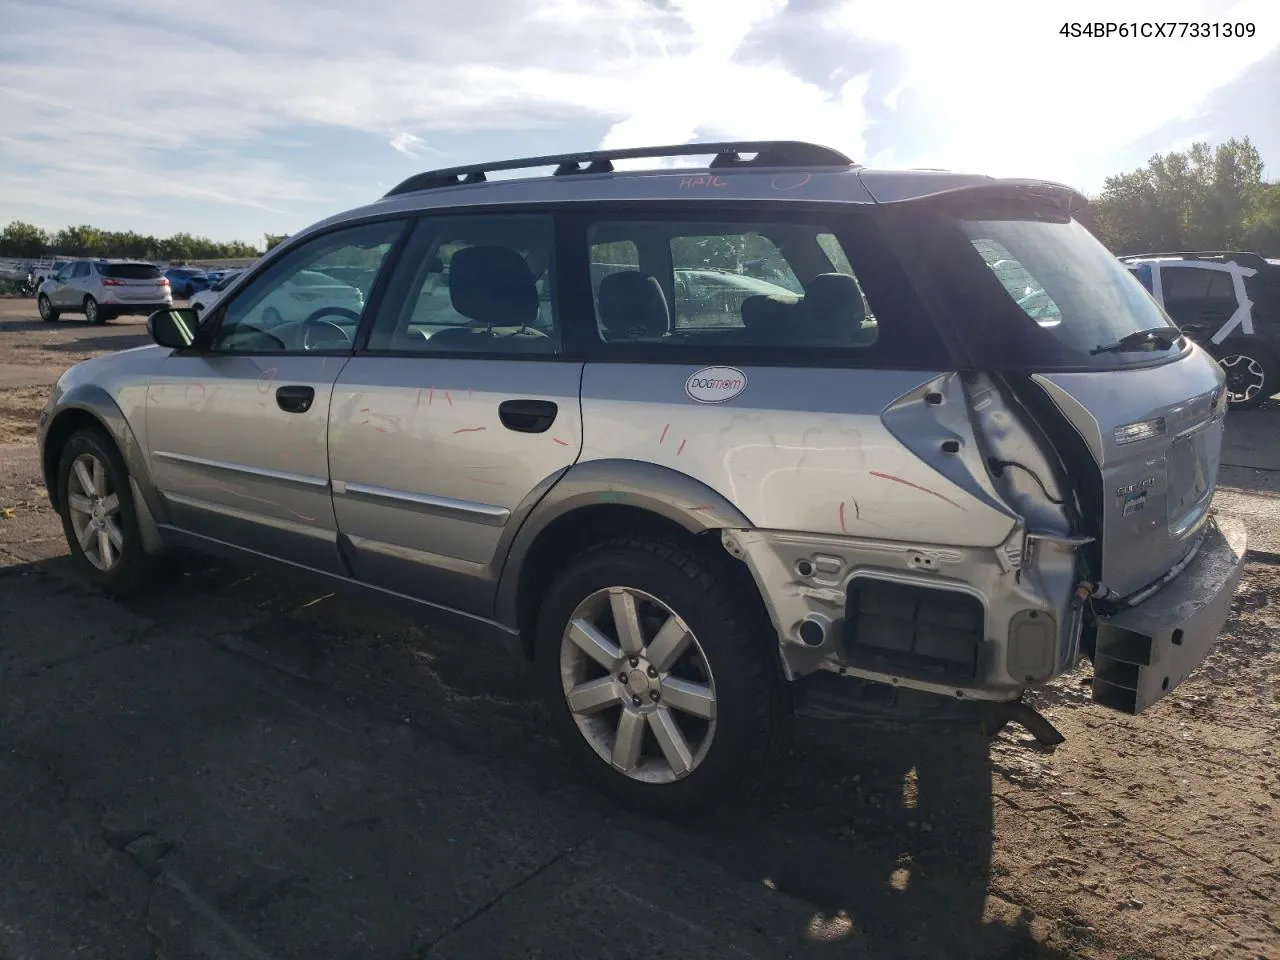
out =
column 130, row 271
column 1195, row 283
column 763, row 286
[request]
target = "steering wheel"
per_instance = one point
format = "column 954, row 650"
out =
column 315, row 322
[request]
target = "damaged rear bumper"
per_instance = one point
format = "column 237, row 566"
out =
column 1145, row 651
column 982, row 624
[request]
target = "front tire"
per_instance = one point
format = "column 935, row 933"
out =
column 45, row 306
column 99, row 519
column 1253, row 373
column 92, row 312
column 662, row 683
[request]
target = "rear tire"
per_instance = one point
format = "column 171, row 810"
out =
column 92, row 312
column 664, row 726
column 1253, row 372
column 47, row 313
column 99, row 518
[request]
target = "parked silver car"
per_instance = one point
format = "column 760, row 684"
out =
column 103, row 289
column 896, row 493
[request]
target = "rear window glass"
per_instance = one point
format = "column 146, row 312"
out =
column 1070, row 286
column 131, row 271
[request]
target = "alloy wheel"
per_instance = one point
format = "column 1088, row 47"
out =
column 1245, row 377
column 638, row 685
column 91, row 310
column 95, row 512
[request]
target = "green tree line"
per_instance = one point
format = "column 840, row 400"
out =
column 27, row 241
column 1203, row 198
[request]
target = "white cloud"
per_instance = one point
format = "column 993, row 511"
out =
column 1013, row 95
column 127, row 118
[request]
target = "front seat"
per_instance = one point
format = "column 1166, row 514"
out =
column 491, row 286
column 632, row 306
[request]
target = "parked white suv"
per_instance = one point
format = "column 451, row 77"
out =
column 103, row 289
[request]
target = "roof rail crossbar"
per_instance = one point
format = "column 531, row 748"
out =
column 1244, row 255
column 768, row 153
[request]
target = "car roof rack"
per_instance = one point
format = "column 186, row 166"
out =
column 1243, row 256
column 768, row 153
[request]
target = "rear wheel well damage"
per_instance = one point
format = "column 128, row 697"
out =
column 568, row 535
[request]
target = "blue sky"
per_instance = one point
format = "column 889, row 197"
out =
column 240, row 117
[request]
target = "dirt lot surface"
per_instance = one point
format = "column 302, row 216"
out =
column 237, row 766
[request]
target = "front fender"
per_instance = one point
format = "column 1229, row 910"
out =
column 67, row 413
column 660, row 490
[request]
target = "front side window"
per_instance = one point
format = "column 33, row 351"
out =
column 295, row 306
column 760, row 284
column 473, row 284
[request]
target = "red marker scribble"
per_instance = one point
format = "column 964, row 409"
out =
column 468, row 393
column 843, row 528
column 563, row 443
column 681, row 450
column 783, row 181
column 916, row 486
column 664, row 433
column 469, row 429
column 704, row 507
column 380, row 429
column 492, row 483
column 363, row 410
column 431, row 396
column 449, row 398
column 702, row 181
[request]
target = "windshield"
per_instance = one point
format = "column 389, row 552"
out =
column 1066, row 283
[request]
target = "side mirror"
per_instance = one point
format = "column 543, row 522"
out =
column 174, row 328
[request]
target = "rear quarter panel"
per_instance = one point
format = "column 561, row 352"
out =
column 798, row 449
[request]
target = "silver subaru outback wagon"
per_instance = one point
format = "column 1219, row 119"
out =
column 709, row 447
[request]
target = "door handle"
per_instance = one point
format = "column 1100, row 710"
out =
column 527, row 416
column 295, row 399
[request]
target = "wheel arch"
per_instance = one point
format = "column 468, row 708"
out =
column 601, row 500
column 90, row 406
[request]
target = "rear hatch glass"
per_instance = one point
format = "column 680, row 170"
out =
column 131, row 271
column 1026, row 286
column 1029, row 292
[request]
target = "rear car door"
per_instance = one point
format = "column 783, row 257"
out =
column 236, row 431
column 459, row 412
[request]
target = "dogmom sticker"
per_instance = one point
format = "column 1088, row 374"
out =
column 715, row 384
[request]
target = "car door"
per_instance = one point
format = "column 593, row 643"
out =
column 459, row 412
column 71, row 293
column 236, row 430
column 55, row 293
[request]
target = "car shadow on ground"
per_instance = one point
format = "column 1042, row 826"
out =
column 882, row 834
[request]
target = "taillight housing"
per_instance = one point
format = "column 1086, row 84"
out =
column 164, row 281
column 110, row 282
